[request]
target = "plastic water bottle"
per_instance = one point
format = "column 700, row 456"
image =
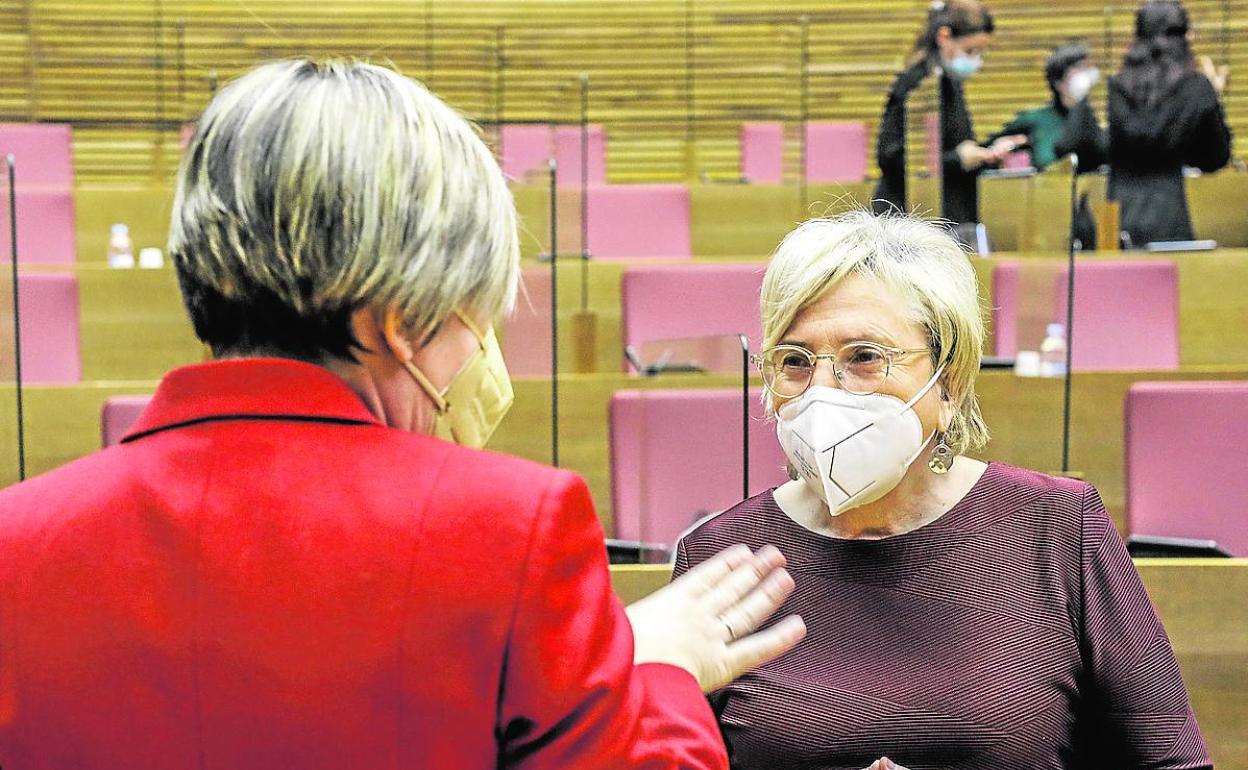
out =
column 1053, row 351
column 120, row 249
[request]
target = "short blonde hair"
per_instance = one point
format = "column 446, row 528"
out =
column 313, row 189
column 917, row 260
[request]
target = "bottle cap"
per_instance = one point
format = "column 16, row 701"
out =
column 120, row 229
column 1055, row 330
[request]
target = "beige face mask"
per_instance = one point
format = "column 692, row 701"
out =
column 470, row 409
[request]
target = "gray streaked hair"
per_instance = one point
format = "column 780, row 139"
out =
column 920, row 263
column 313, row 189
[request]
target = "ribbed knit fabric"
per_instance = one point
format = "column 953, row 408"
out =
column 1013, row 632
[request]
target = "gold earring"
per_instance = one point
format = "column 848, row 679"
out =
column 942, row 457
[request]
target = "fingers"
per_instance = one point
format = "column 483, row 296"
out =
column 743, row 579
column 760, row 603
column 711, row 572
column 756, row 649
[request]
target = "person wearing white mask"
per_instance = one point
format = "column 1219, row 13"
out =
column 1068, row 122
column 951, row 46
column 960, row 613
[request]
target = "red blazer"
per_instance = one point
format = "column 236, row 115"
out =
column 263, row 576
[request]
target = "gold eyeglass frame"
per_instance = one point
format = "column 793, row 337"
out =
column 890, row 354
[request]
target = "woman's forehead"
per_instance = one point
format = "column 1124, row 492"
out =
column 858, row 308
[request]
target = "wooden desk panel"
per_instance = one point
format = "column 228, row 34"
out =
column 1204, row 605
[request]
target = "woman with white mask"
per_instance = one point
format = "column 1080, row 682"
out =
column 959, row 614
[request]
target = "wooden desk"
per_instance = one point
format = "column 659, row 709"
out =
column 1204, row 605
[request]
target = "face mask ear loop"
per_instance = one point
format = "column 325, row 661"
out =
column 923, row 391
column 915, row 456
column 438, row 401
column 472, row 327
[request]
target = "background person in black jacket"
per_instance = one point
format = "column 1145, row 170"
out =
column 950, row 46
column 1164, row 114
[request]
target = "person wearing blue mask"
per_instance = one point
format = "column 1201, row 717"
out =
column 951, row 46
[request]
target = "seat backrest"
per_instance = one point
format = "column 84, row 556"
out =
column 1126, row 314
column 49, row 328
column 42, row 152
column 117, row 416
column 677, row 301
column 836, row 151
column 45, row 226
column 639, row 220
column 568, row 155
column 660, row 482
column 525, row 149
column 526, row 339
column 1185, row 449
column 762, row 152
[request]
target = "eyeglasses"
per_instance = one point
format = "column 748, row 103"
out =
column 860, row 367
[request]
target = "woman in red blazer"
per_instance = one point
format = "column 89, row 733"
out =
column 297, row 557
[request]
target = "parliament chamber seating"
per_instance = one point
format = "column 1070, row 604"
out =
column 42, row 152
column 762, row 152
column 1186, row 444
column 676, row 456
column 1126, row 313
column 118, row 414
column 684, row 301
column 525, row 150
column 44, row 178
column 836, row 151
column 526, row 339
column 49, row 328
column 629, row 221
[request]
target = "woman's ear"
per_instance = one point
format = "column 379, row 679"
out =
column 391, row 330
column 948, row 407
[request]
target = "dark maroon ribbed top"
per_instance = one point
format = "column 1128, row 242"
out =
column 1013, row 632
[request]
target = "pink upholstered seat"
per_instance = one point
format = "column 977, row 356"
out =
column 568, row 155
column 525, row 149
column 661, row 482
column 762, row 152
column 675, row 301
column 118, row 414
column 42, row 152
column 45, row 197
column 526, row 332
column 639, row 220
column 45, row 226
column 836, row 151
column 49, row 335
column 1126, row 313
column 1185, row 446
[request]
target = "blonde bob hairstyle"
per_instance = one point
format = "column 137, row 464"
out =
column 917, row 261
column 312, row 189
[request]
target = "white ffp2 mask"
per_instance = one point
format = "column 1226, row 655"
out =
column 851, row 450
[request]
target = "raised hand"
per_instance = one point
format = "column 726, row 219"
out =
column 704, row 621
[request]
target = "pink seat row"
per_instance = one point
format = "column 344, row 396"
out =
column 1184, row 447
column 44, row 174
column 835, row 152
column 49, row 330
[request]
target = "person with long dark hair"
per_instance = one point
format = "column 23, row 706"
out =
column 951, row 46
column 1165, row 112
